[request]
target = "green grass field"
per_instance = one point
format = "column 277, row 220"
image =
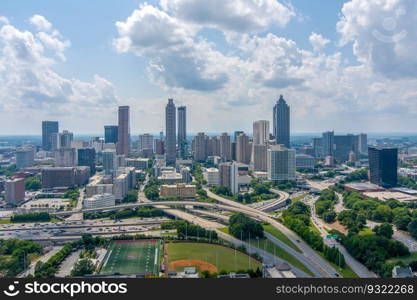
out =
column 271, row 248
column 223, row 258
column 132, row 257
column 405, row 259
column 280, row 236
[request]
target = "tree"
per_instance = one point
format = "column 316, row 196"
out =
column 412, row 228
column 384, row 230
column 33, row 184
column 329, row 217
column 241, row 226
column 83, row 267
column 132, row 196
column 401, row 221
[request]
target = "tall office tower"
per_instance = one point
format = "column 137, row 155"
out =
column 281, row 122
column 200, row 147
column 170, row 133
column 328, row 143
column 87, row 158
column 243, row 149
column 236, row 134
column 123, row 133
column 383, row 166
column 281, row 163
column 225, row 147
column 182, row 131
column 109, row 161
column 65, row 157
column 65, row 139
column 146, row 141
column 363, row 142
column 260, row 132
column 343, row 145
column 48, row 128
column 318, row 147
column 25, row 157
column 229, row 176
column 159, row 147
column 14, row 190
column 55, row 141
column 110, row 134
column 259, row 154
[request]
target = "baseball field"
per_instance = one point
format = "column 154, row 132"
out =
column 132, row 257
column 214, row 258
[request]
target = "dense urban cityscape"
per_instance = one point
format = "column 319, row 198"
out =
column 122, row 204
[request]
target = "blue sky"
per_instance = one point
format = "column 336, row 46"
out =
column 227, row 68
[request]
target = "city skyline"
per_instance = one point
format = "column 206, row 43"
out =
column 219, row 70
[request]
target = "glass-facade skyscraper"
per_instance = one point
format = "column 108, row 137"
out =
column 383, row 166
column 170, row 133
column 48, row 128
column 281, row 122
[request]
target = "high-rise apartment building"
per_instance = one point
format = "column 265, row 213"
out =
column 48, row 128
column 123, row 134
column 383, row 166
column 110, row 134
column 170, row 133
column 182, row 131
column 243, row 150
column 281, row 122
column 281, row 163
column 225, row 147
column 200, row 147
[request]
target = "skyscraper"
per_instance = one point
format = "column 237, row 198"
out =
column 65, row 139
column 383, row 166
column 170, row 128
column 281, row 163
column 109, row 161
column 87, row 158
column 328, row 143
column 260, row 132
column 225, row 147
column 243, row 149
column 182, row 131
column 123, row 134
column 200, row 147
column 48, row 128
column 281, row 122
column 363, row 142
column 110, row 134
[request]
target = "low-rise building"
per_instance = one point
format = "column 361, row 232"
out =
column 212, row 176
column 182, row 190
column 304, row 161
column 68, row 177
column 138, row 163
column 97, row 201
